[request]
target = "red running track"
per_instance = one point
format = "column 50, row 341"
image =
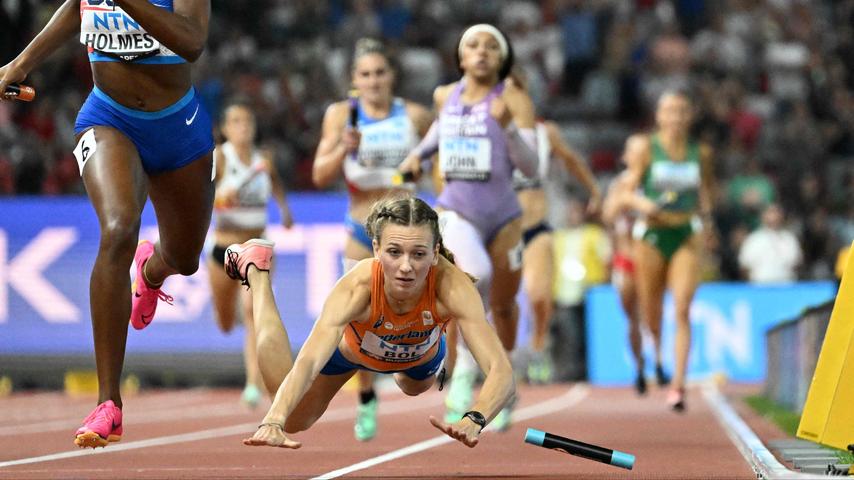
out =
column 196, row 434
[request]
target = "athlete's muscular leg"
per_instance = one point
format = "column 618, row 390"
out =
column 651, row 281
column 116, row 184
column 507, row 264
column 538, row 273
column 183, row 201
column 250, row 350
column 411, row 386
column 684, row 279
column 272, row 344
column 224, row 295
column 628, row 299
column 463, row 240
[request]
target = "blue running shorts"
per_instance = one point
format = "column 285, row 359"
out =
column 338, row 364
column 166, row 140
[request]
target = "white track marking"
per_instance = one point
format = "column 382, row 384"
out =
column 569, row 399
column 760, row 459
column 404, row 405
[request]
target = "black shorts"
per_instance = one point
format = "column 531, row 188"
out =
column 531, row 233
column 218, row 254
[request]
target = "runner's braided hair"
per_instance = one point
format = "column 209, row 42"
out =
column 407, row 211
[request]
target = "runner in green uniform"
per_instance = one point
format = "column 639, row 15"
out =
column 676, row 178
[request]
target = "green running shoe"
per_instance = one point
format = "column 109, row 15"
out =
column 459, row 397
column 502, row 421
column 540, row 370
column 251, row 396
column 366, row 421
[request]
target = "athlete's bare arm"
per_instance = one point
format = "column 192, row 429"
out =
column 575, row 165
column 350, row 300
column 514, row 109
column 222, row 196
column 420, row 116
column 331, row 151
column 184, row 30
column 279, row 191
column 615, row 201
column 637, row 158
column 430, row 143
column 440, row 96
column 520, row 106
column 64, row 23
column 458, row 297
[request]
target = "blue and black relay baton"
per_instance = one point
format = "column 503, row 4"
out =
column 581, row 449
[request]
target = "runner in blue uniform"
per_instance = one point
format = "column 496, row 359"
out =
column 142, row 133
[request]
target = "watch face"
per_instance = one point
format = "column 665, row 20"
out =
column 477, row 418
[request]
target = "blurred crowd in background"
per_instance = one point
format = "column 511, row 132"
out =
column 773, row 83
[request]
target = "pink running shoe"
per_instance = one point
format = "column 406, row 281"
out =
column 144, row 298
column 256, row 252
column 676, row 399
column 102, row 426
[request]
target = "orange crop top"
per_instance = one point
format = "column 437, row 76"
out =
column 392, row 342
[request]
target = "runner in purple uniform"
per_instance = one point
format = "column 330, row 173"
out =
column 485, row 130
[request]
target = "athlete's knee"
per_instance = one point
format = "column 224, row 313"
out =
column 413, row 388
column 540, row 302
column 184, row 264
column 504, row 307
column 269, row 345
column 120, row 233
column 296, row 425
column 654, row 330
column 226, row 324
column 414, row 391
column 682, row 314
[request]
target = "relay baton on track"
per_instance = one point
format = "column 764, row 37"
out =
column 581, row 449
column 20, row 92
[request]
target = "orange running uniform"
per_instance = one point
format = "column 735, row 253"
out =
column 390, row 342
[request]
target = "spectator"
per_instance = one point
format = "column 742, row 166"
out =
column 771, row 254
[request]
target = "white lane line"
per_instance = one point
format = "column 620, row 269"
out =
column 216, row 410
column 569, row 399
column 760, row 459
column 58, row 407
column 403, row 405
column 177, row 410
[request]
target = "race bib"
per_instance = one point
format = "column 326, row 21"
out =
column 125, row 45
column 382, row 348
column 106, row 28
column 464, row 158
column 85, row 149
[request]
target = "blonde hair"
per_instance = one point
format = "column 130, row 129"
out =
column 406, row 211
